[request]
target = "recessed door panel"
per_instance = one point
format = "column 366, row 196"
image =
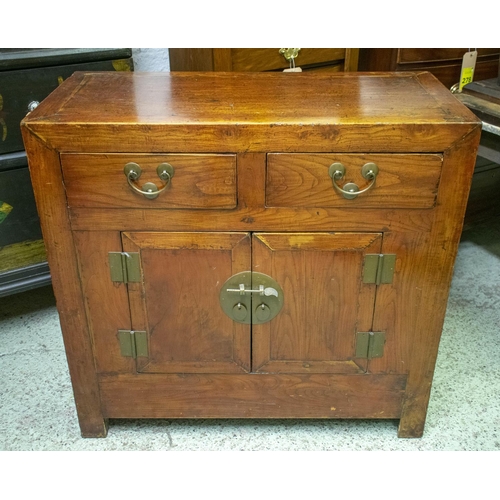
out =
column 325, row 302
column 177, row 301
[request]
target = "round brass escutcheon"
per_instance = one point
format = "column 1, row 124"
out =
column 262, row 312
column 336, row 171
column 165, row 171
column 150, row 190
column 239, row 312
column 132, row 170
column 251, row 297
column 369, row 171
column 349, row 188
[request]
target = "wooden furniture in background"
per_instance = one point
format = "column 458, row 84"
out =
column 444, row 64
column 160, row 297
column 27, row 76
column 483, row 99
column 261, row 60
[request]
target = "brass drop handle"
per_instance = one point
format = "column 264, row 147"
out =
column 369, row 171
column 149, row 190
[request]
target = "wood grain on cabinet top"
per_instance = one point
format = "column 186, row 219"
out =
column 251, row 112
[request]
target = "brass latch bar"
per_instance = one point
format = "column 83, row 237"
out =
column 261, row 291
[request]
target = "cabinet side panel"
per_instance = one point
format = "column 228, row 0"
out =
column 51, row 203
column 434, row 279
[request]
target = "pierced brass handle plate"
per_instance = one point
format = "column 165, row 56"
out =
column 350, row 190
column 251, row 297
column 289, row 54
column 149, row 190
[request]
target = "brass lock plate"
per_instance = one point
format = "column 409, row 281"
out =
column 251, row 297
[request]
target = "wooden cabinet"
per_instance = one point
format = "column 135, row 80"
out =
column 262, row 59
column 217, row 252
column 27, row 76
column 444, row 64
column 483, row 99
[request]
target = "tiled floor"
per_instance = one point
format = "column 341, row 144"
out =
column 37, row 410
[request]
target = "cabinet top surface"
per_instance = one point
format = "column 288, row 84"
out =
column 250, row 112
column 250, row 98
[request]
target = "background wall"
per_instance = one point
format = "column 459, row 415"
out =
column 151, row 60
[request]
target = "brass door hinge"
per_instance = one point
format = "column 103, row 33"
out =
column 370, row 344
column 379, row 268
column 133, row 344
column 124, row 267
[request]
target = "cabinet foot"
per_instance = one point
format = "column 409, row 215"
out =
column 411, row 426
column 410, row 433
column 97, row 428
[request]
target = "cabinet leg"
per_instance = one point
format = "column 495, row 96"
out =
column 94, row 428
column 412, row 422
column 411, row 428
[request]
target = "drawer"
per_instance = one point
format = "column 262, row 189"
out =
column 23, row 88
column 411, row 56
column 271, row 59
column 18, row 215
column 199, row 180
column 303, row 180
column 22, row 251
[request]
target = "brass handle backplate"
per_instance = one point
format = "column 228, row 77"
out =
column 350, row 190
column 149, row 190
column 251, row 297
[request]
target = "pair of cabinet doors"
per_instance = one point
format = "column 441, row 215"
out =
column 176, row 301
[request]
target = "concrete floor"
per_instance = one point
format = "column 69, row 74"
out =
column 37, row 410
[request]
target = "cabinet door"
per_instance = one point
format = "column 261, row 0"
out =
column 325, row 301
column 177, row 301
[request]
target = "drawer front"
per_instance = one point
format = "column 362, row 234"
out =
column 21, row 242
column 411, row 56
column 18, row 215
column 20, row 88
column 303, row 180
column 271, row 59
column 198, row 181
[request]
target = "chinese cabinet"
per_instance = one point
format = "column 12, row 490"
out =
column 251, row 245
